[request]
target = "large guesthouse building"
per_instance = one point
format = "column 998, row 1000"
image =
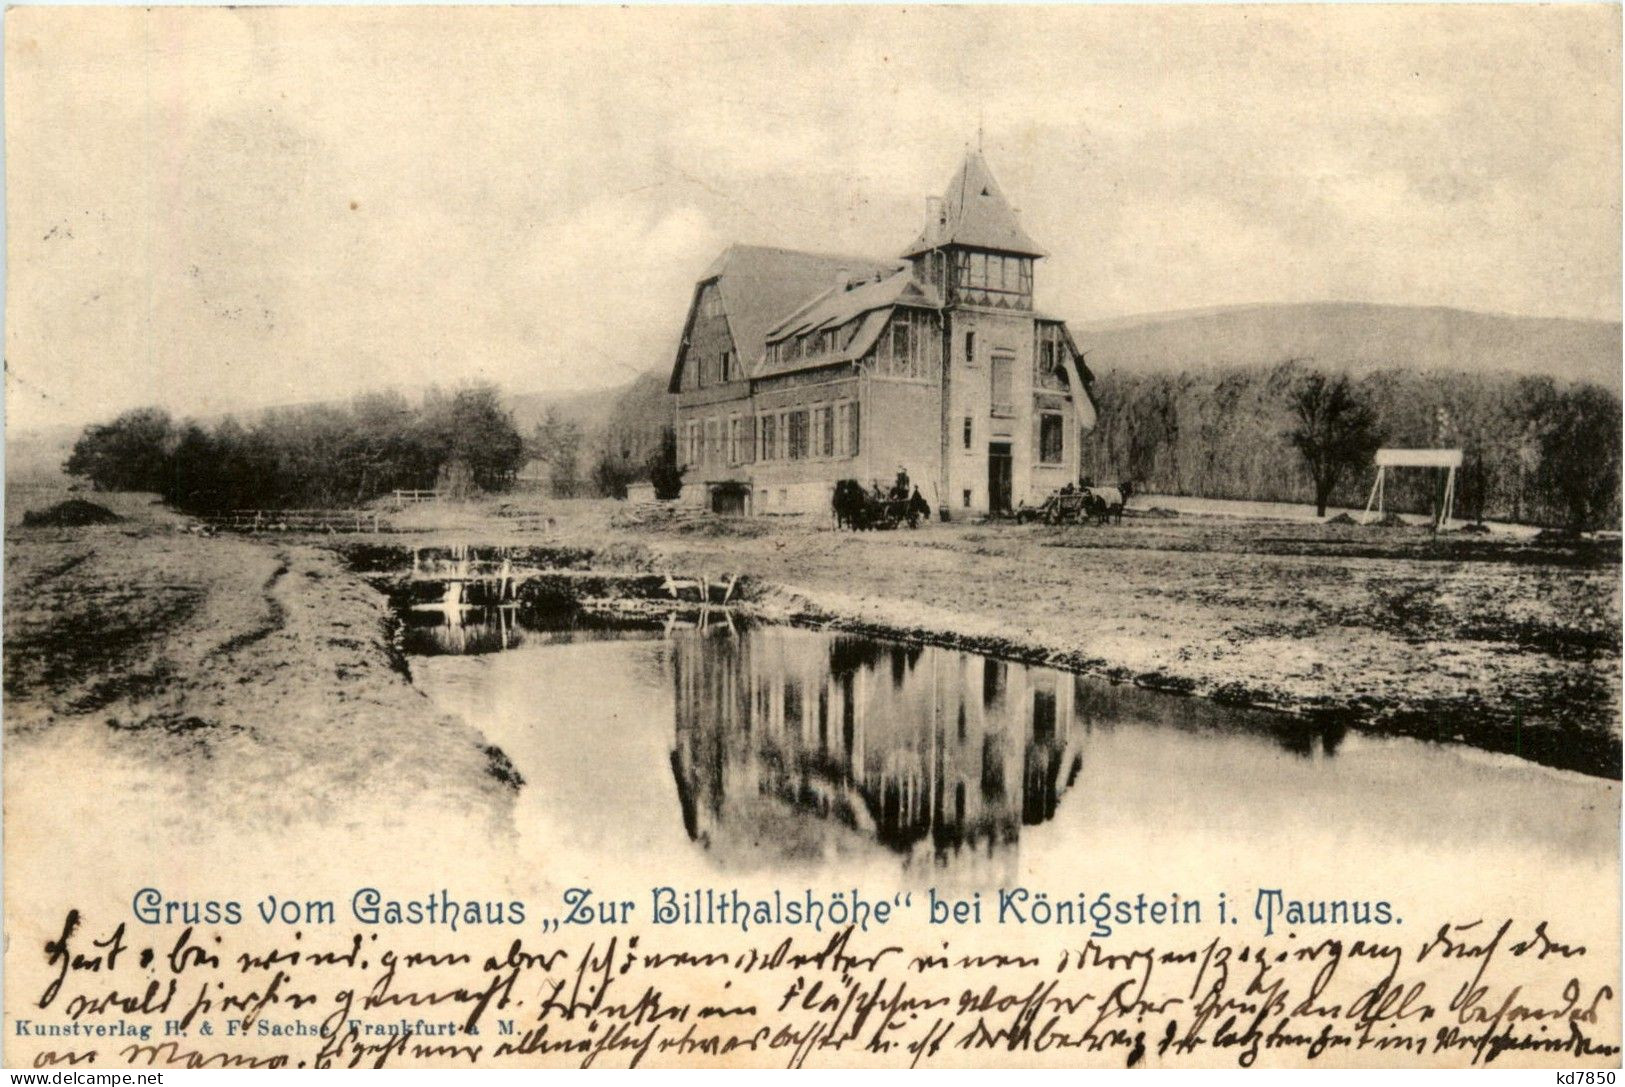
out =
column 796, row 370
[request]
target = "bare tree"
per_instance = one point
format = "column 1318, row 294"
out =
column 1337, row 430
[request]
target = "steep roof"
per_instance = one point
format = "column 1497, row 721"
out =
column 873, row 301
column 975, row 213
column 862, row 339
column 835, row 307
column 761, row 285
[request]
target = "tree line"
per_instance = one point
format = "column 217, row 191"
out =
column 339, row 455
column 311, row 456
column 1535, row 450
column 636, row 443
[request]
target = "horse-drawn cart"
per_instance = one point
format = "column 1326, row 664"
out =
column 1060, row 508
column 858, row 507
column 1076, row 507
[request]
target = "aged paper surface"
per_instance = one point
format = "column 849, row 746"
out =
column 371, row 702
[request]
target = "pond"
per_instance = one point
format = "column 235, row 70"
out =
column 745, row 749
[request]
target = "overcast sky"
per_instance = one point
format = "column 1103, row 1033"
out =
column 215, row 210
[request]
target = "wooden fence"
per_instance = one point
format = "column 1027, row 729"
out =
column 410, row 498
column 298, row 521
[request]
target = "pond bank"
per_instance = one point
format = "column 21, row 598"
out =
column 1511, row 650
column 261, row 676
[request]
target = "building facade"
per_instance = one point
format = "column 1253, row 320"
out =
column 796, row 370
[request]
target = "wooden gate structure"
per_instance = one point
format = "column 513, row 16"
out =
column 1447, row 459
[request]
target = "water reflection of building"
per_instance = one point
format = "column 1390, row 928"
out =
column 456, row 629
column 918, row 748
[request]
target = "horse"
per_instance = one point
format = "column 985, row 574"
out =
column 851, row 505
column 1106, row 503
column 918, row 509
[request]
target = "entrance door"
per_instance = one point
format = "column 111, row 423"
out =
column 999, row 475
column 729, row 498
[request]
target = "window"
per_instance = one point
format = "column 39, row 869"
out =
column 967, row 431
column 899, row 342
column 713, row 450
column 767, row 430
column 797, row 436
column 693, row 430
column 967, row 497
column 1003, row 400
column 735, row 432
column 1052, row 360
column 1043, row 715
column 711, row 302
column 726, row 366
column 970, row 347
column 826, row 431
column 994, row 681
column 1051, row 446
column 854, row 429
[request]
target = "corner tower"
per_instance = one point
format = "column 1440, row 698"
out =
column 972, row 249
column 1010, row 387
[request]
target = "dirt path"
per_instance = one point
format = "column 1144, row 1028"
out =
column 257, row 677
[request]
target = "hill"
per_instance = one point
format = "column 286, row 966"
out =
column 1357, row 337
column 589, row 408
column 34, row 457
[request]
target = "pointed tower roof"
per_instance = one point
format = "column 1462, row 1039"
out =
column 975, row 213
